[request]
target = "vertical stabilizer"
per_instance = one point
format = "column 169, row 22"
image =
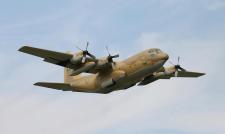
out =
column 68, row 78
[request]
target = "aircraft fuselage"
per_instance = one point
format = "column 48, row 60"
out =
column 125, row 74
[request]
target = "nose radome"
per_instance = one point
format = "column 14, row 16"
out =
column 165, row 56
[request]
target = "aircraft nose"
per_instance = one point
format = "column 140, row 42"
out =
column 165, row 56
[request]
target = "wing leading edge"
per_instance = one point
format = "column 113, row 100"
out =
column 64, row 60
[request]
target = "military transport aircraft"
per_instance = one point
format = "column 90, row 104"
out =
column 106, row 75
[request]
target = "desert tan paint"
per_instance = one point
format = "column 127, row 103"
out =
column 142, row 68
column 134, row 64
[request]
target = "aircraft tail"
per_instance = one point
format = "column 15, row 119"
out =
column 68, row 78
column 58, row 86
column 66, row 86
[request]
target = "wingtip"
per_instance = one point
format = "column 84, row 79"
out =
column 37, row 84
column 201, row 74
column 22, row 48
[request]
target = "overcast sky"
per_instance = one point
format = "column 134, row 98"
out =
column 192, row 29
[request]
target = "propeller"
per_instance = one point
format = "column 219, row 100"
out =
column 86, row 53
column 177, row 67
column 111, row 57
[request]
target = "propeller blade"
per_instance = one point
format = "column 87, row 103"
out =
column 85, row 53
column 116, row 56
column 87, row 46
column 84, row 59
column 79, row 48
column 171, row 63
column 110, row 58
column 91, row 55
column 178, row 60
column 178, row 67
column 176, row 73
column 182, row 69
column 107, row 50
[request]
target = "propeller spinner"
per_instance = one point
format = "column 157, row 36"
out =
column 178, row 67
column 86, row 53
column 111, row 57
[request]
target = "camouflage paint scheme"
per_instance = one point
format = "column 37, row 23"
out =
column 106, row 75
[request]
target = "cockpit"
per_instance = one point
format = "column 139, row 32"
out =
column 154, row 51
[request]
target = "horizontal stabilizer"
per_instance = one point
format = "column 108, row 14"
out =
column 57, row 86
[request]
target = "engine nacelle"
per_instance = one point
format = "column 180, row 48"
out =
column 85, row 68
column 161, row 74
column 155, row 77
column 102, row 64
column 76, row 60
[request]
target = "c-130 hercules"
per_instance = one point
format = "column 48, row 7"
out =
column 106, row 75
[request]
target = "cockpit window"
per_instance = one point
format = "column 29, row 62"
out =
column 151, row 51
column 158, row 51
column 154, row 51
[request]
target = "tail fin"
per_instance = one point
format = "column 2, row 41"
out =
column 68, row 78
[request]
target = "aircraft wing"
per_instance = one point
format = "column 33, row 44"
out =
column 189, row 74
column 58, row 58
column 57, row 86
column 183, row 74
column 62, row 59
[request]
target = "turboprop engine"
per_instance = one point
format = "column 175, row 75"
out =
column 76, row 59
column 82, row 56
column 85, row 68
column 161, row 74
column 107, row 61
